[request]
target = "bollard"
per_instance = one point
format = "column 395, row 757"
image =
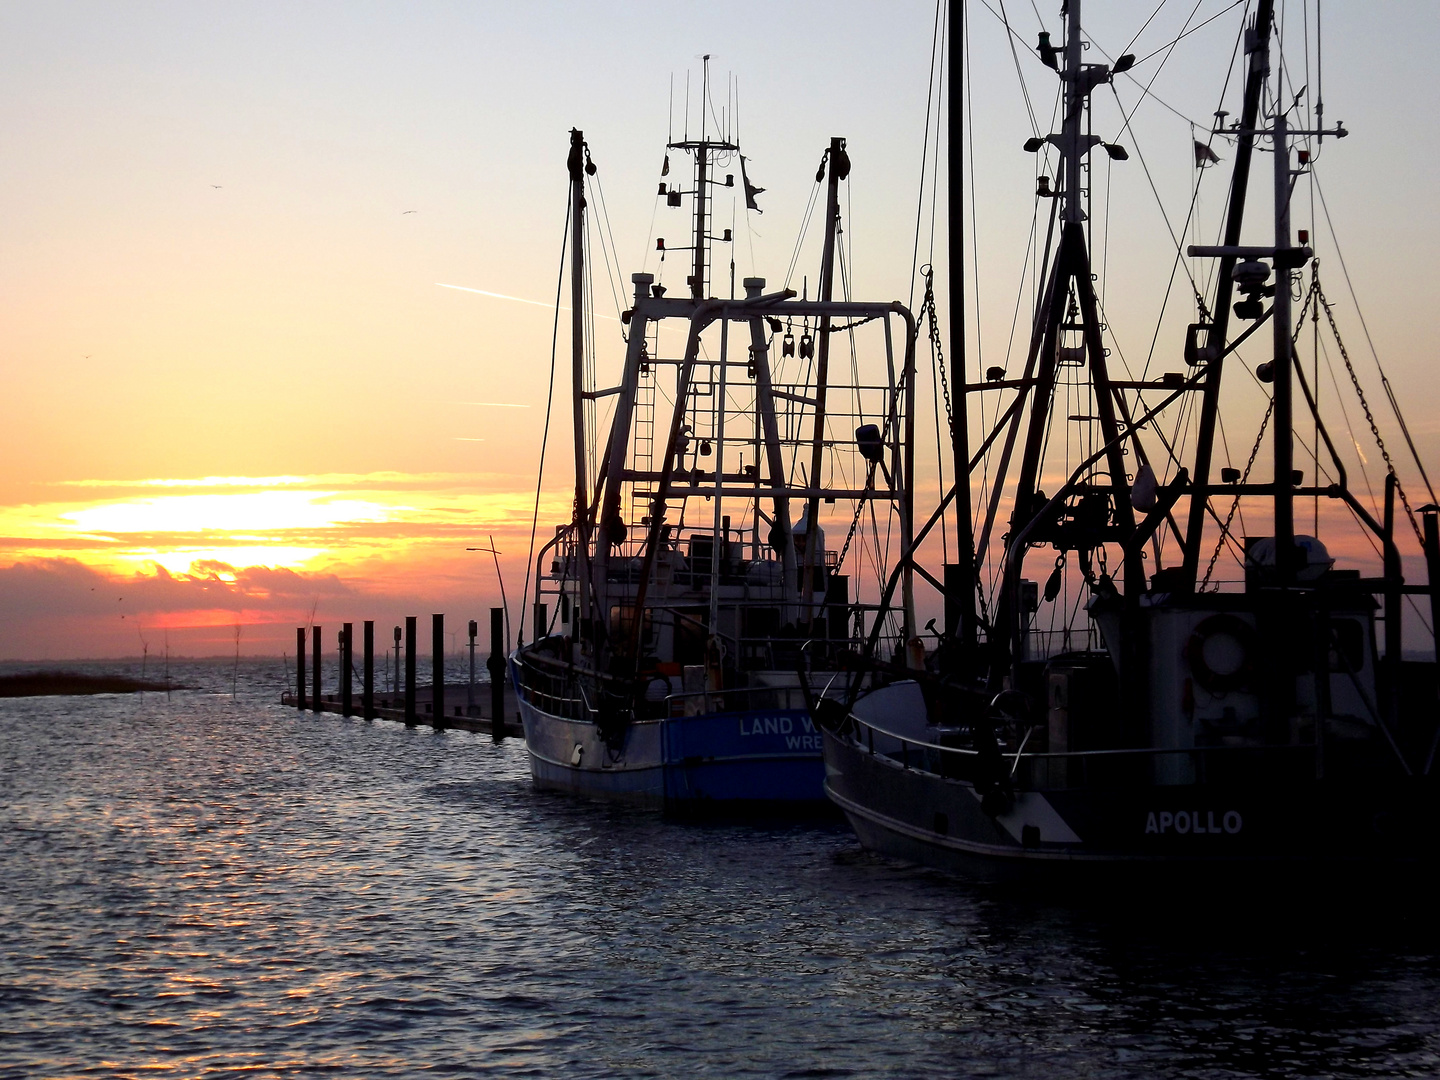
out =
column 347, row 668
column 470, row 693
column 315, row 695
column 437, row 670
column 395, row 682
column 410, row 717
column 367, row 688
column 300, row 668
column 496, row 667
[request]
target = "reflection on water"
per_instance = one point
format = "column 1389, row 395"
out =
column 199, row 886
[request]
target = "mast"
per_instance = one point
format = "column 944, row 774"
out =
column 960, row 593
column 1257, row 48
column 1282, row 434
column 1069, row 282
column 839, row 163
column 576, row 165
column 702, row 177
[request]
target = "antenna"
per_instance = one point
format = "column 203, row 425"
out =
column 704, row 91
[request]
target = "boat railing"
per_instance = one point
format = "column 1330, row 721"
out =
column 550, row 684
column 738, row 699
column 1083, row 768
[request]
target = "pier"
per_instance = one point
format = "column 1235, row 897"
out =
column 488, row 707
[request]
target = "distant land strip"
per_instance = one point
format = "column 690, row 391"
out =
column 52, row 683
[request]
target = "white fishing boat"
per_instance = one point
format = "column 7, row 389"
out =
column 694, row 606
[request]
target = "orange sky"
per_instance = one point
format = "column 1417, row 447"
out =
column 235, row 391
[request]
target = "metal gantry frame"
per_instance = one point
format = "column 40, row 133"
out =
column 605, row 571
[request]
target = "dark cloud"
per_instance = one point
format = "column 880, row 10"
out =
column 59, row 587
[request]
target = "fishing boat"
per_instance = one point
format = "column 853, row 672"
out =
column 693, row 608
column 1125, row 716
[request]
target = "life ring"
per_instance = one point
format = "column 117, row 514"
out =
column 1230, row 643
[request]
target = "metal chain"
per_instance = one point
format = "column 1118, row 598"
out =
column 855, row 521
column 869, row 482
column 927, row 309
column 1369, row 416
column 1255, row 450
column 1235, row 502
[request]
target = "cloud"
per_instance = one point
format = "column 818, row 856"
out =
column 48, row 588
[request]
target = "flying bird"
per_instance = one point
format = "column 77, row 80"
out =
column 217, row 187
column 404, row 212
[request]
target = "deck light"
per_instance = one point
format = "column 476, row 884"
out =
column 1048, row 54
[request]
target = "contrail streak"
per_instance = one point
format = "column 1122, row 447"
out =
column 516, row 299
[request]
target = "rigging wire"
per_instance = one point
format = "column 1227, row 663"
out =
column 613, row 274
column 1186, row 33
column 1365, row 327
column 804, row 229
column 1015, row 55
column 1143, row 27
column 549, row 401
column 931, row 92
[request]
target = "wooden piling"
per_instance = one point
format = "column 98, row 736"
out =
column 300, row 668
column 1432, row 576
column 367, row 688
column 317, row 652
column 496, row 666
column 437, row 670
column 470, row 692
column 1393, row 596
column 347, row 665
column 410, row 635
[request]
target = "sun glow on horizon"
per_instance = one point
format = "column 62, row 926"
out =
column 364, row 528
column 249, row 512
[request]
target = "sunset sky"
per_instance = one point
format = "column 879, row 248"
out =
column 237, row 392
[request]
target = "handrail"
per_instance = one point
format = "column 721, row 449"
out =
column 908, row 741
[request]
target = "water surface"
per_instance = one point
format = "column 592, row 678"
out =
column 203, row 884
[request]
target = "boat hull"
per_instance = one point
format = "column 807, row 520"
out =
column 734, row 761
column 743, row 759
column 919, row 816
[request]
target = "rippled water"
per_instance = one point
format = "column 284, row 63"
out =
column 196, row 885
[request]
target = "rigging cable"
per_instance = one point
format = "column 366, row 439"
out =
column 613, row 273
column 1015, row 55
column 1187, row 32
column 549, row 400
column 1364, row 326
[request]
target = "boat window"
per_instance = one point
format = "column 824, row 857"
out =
column 622, row 622
column 1347, row 645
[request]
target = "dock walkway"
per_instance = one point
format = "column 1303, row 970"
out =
column 391, row 706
